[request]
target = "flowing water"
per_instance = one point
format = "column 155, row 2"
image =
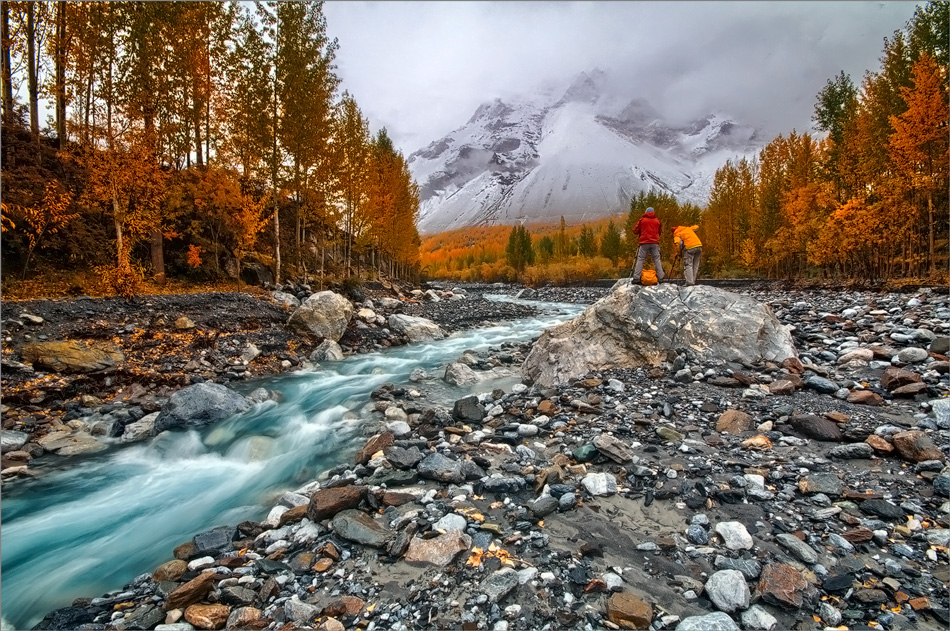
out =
column 89, row 525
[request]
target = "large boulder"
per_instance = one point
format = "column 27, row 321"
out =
column 200, row 404
column 72, row 357
column 416, row 329
column 636, row 326
column 324, row 314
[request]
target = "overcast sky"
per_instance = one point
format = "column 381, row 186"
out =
column 421, row 68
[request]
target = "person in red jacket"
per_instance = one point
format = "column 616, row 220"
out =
column 648, row 229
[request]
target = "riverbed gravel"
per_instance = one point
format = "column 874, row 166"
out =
column 808, row 495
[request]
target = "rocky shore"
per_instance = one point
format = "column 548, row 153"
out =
column 693, row 494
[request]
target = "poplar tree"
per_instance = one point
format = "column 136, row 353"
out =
column 352, row 142
column 307, row 85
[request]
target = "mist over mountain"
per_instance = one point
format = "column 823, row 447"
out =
column 579, row 150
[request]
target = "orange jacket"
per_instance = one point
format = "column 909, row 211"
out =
column 686, row 236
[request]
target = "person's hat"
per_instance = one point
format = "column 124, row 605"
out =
column 650, row 209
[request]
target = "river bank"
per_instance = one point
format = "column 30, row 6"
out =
column 625, row 498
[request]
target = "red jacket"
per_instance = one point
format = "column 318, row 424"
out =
column 649, row 228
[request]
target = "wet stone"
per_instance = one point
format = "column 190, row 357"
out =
column 882, row 509
column 816, row 427
column 750, row 568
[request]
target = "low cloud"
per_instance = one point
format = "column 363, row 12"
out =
column 421, row 68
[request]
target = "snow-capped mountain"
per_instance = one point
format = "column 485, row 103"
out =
column 580, row 153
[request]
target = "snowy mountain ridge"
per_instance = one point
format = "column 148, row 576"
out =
column 580, row 153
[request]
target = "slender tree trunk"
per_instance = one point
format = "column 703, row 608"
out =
column 5, row 66
column 274, row 168
column 930, row 211
column 122, row 259
column 33, row 83
column 61, row 73
column 199, row 156
column 85, row 133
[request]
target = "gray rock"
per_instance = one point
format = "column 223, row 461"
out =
column 214, row 541
column 728, row 590
column 757, row 617
column 750, row 568
column 854, row 451
column 630, row 328
column 799, row 548
column 820, row 384
column 303, row 614
column 324, row 314
column 600, row 484
column 940, row 345
column 735, row 535
column 435, row 466
column 543, row 506
column 468, row 409
column 613, row 448
column 499, row 584
column 355, row 525
column 200, row 404
column 940, row 409
column 697, row 534
column 458, row 374
column 12, row 440
column 912, row 355
column 140, row 429
column 286, row 300
column 717, row 621
column 416, row 329
column 327, row 351
column 451, row 521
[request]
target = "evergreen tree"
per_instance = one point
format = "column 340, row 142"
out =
column 587, row 242
column 519, row 253
column 611, row 245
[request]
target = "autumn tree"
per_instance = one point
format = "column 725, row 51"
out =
column 919, row 145
column 352, row 142
column 307, row 85
column 127, row 184
column 47, row 217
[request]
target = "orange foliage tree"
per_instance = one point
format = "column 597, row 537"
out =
column 49, row 216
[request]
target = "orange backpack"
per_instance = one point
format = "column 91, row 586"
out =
column 648, row 277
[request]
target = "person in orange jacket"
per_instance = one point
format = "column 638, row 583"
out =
column 690, row 247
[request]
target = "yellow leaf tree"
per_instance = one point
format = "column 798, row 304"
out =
column 919, row 144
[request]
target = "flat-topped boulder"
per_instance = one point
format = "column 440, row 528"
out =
column 636, row 326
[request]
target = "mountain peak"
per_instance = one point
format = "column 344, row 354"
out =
column 586, row 88
column 527, row 158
